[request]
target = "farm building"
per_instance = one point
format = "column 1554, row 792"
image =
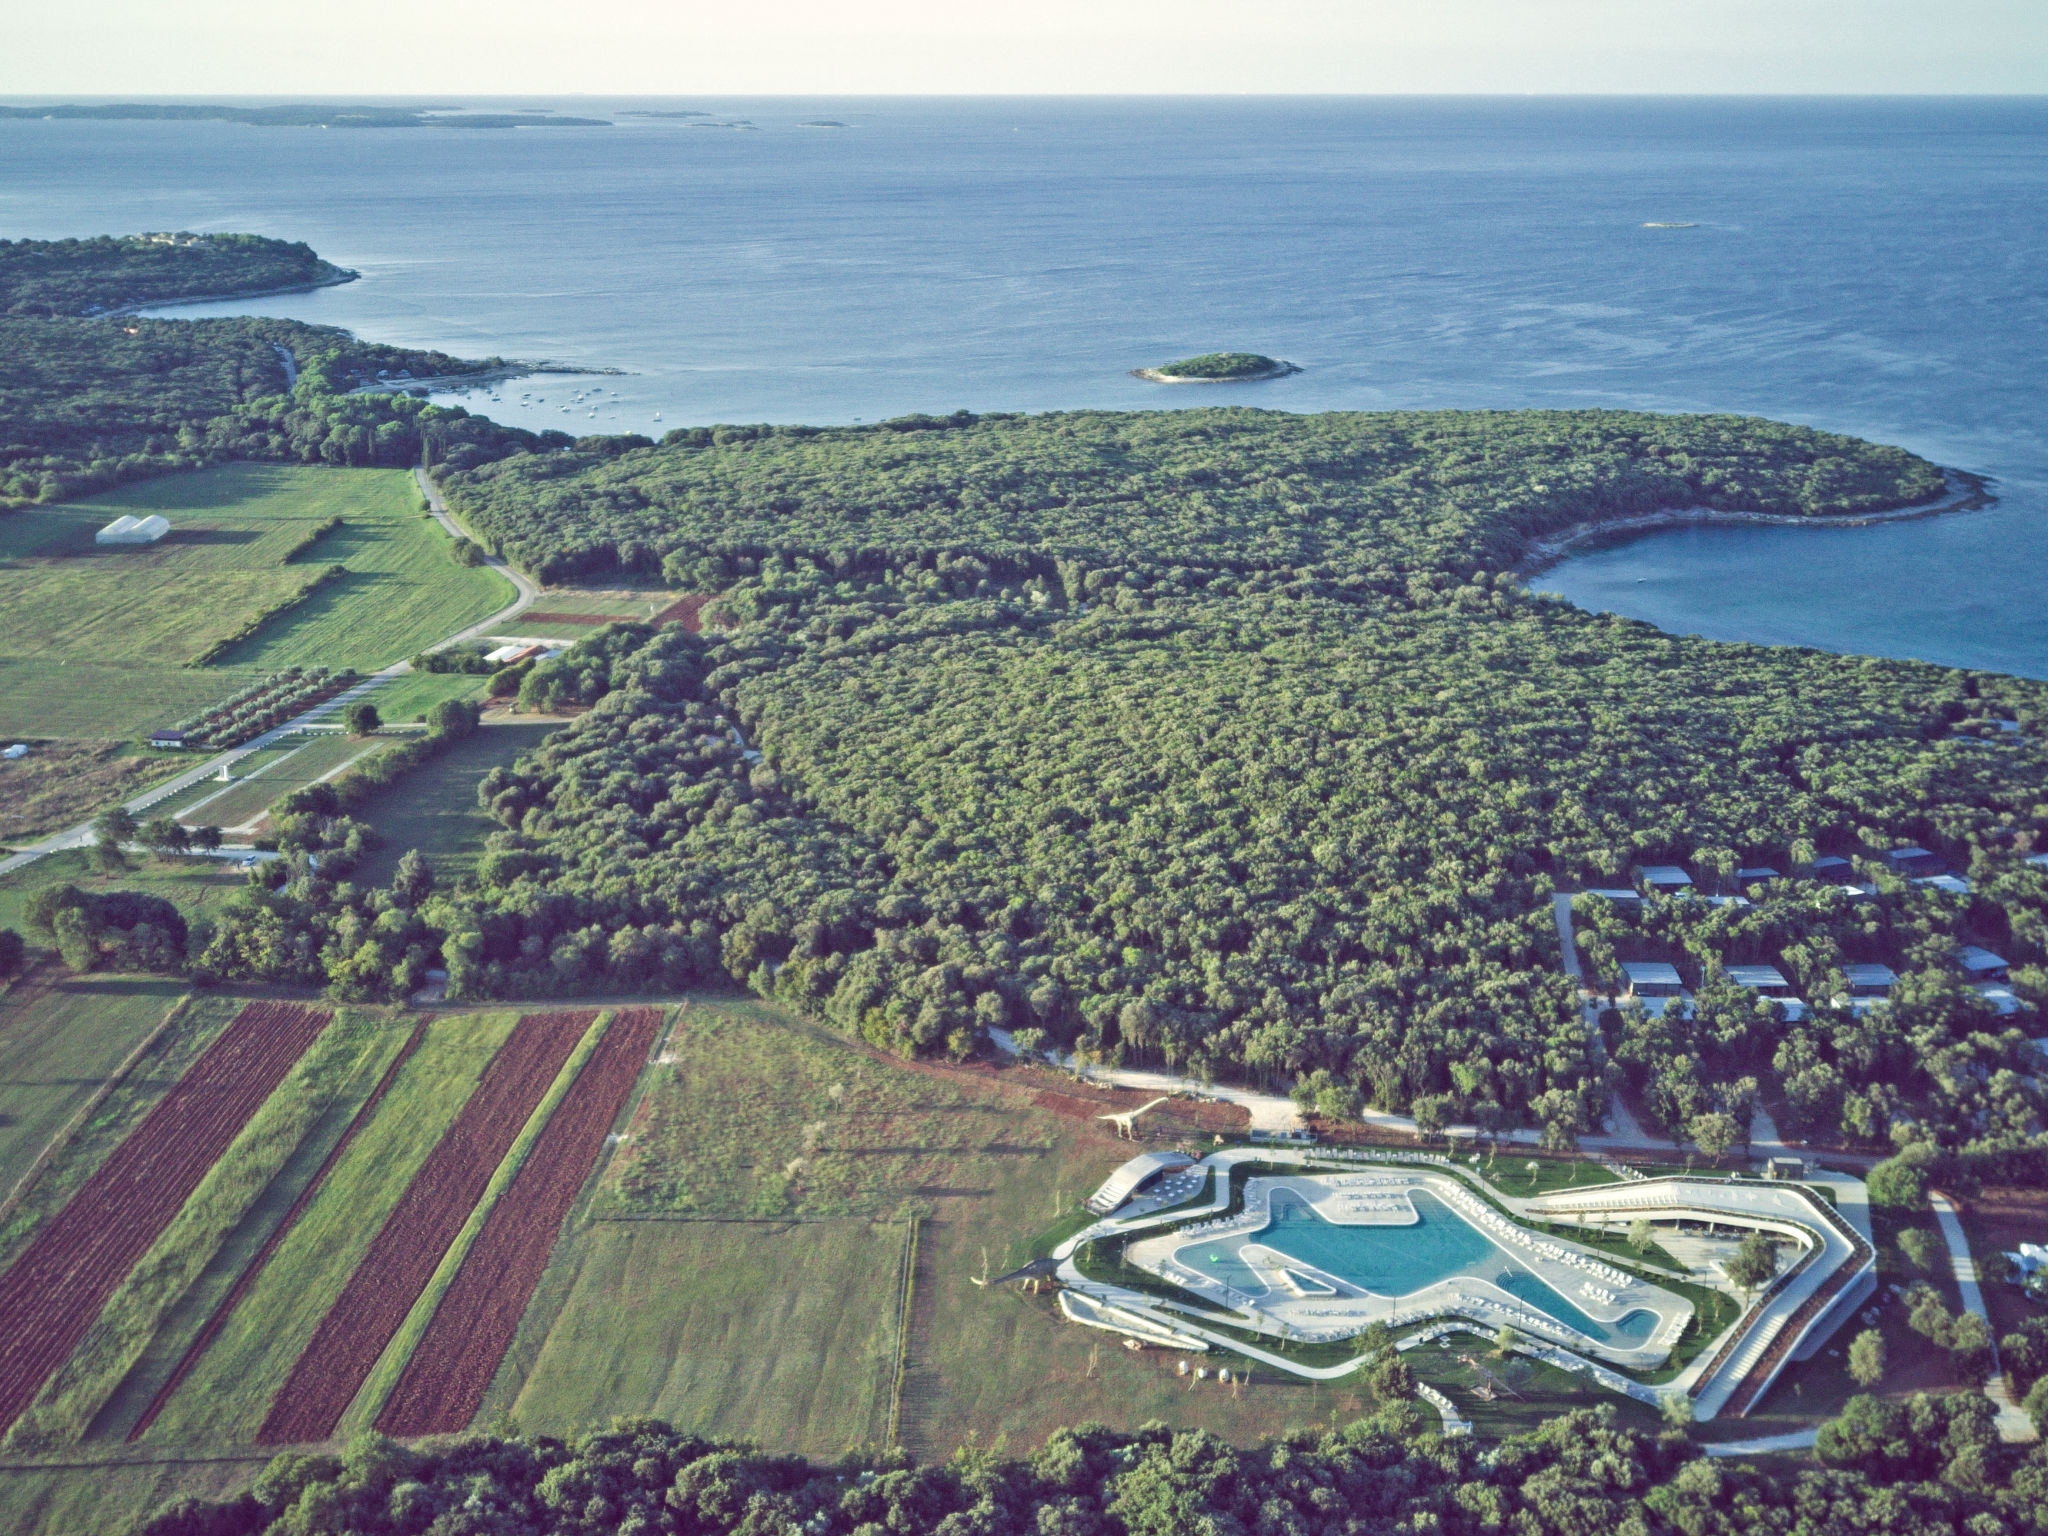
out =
column 517, row 651
column 1663, row 877
column 1912, row 861
column 167, row 738
column 1870, row 980
column 133, row 530
column 1829, row 867
column 1134, row 1176
column 1614, row 893
column 1754, row 875
column 1955, row 885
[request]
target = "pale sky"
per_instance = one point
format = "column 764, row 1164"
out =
column 71, row 48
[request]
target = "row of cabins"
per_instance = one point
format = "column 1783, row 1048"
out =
column 1658, row 982
column 1914, row 864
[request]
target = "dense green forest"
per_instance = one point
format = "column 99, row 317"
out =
column 90, row 403
column 1927, row 1466
column 1340, row 493
column 50, row 278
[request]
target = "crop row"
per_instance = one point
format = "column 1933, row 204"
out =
column 444, row 1382
column 237, row 720
column 54, row 1292
column 409, row 1247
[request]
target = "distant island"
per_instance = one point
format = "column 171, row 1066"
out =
column 1218, row 368
column 821, row 122
column 303, row 116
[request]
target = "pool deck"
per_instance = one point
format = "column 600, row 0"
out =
column 1332, row 1307
column 1810, row 1298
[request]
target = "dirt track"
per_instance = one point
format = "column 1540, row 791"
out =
column 54, row 1292
column 408, row 1249
column 445, row 1381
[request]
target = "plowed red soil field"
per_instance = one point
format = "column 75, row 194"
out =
column 408, row 1249
column 684, row 611
column 247, row 1278
column 445, row 1380
column 53, row 1293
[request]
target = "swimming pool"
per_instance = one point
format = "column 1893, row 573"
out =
column 1397, row 1261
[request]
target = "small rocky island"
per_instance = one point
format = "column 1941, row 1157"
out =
column 1218, row 368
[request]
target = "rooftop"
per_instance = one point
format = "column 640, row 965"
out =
column 1126, row 1181
column 1757, row 977
column 1662, row 874
column 1974, row 958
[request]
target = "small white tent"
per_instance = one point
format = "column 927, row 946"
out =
column 133, row 530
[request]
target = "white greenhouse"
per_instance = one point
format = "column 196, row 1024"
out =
column 133, row 530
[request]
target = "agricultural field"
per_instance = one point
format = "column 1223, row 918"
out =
column 53, row 1292
column 101, row 640
column 61, row 783
column 447, row 1372
column 587, row 607
column 408, row 1250
column 224, row 1398
column 753, row 1222
column 59, row 1040
column 238, row 807
column 407, row 699
column 434, row 808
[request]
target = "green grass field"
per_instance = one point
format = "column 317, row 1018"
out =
column 408, row 698
column 434, row 807
column 240, row 805
column 194, row 884
column 223, row 1401
column 56, row 1047
column 98, row 638
column 778, row 1332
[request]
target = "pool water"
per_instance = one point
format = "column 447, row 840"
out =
column 1396, row 1261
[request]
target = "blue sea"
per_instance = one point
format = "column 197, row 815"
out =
column 1868, row 266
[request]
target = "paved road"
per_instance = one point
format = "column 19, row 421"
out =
column 528, row 592
column 80, row 836
column 2013, row 1425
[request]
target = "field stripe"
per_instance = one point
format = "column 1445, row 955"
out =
column 401, row 1260
column 444, row 1382
column 54, row 1292
column 218, row 1320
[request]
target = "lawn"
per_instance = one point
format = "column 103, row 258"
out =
column 57, row 1046
column 224, row 1399
column 100, row 638
column 434, row 807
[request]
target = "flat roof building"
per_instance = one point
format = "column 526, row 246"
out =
column 1664, row 877
column 1980, row 964
column 1759, row 978
column 1652, row 978
column 1613, row 893
column 1870, row 980
column 1912, row 861
column 1955, row 885
column 1133, row 1176
column 1754, row 874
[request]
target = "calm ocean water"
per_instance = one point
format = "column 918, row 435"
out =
column 1872, row 267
